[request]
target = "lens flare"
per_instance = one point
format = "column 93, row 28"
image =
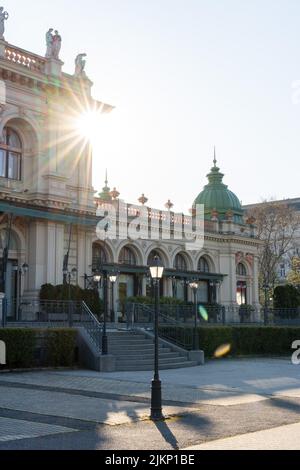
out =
column 222, row 350
column 89, row 125
column 203, row 313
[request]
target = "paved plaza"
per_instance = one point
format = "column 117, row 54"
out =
column 245, row 403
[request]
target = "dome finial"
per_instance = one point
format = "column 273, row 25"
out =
column 215, row 158
column 105, row 195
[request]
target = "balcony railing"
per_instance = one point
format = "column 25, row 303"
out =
column 26, row 59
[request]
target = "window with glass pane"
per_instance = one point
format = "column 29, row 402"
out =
column 203, row 265
column 154, row 254
column 241, row 293
column 127, row 256
column 241, row 270
column 14, row 166
column 203, row 292
column 180, row 263
column 2, row 163
column 10, row 155
column 99, row 256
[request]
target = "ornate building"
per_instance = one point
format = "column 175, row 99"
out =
column 48, row 209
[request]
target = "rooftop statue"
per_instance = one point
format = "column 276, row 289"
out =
column 80, row 65
column 3, row 17
column 53, row 42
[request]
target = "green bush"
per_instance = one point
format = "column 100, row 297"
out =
column 244, row 340
column 60, row 347
column 150, row 300
column 61, row 293
column 286, row 297
column 24, row 347
column 20, row 347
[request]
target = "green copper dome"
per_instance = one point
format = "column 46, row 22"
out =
column 217, row 197
column 105, row 195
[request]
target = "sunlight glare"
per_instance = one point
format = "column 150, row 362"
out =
column 89, row 124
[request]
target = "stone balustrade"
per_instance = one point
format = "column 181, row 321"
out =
column 21, row 57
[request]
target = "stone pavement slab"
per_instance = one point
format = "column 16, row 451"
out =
column 171, row 393
column 280, row 438
column 90, row 409
column 250, row 375
column 14, row 429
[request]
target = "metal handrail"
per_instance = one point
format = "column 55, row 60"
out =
column 91, row 325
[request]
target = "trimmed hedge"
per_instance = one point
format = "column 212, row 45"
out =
column 27, row 347
column 244, row 340
column 61, row 293
column 20, row 347
column 60, row 347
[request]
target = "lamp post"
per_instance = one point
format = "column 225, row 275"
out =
column 21, row 271
column 156, row 271
column 266, row 287
column 97, row 279
column 113, row 279
column 69, row 275
column 194, row 286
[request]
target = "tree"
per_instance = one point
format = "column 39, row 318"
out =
column 293, row 276
column 286, row 296
column 277, row 224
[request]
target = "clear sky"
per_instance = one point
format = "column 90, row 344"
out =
column 184, row 75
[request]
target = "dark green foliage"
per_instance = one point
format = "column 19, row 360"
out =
column 61, row 293
column 60, row 347
column 20, row 346
column 150, row 300
column 27, row 348
column 286, row 296
column 244, row 340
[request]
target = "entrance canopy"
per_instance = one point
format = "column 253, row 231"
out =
column 172, row 273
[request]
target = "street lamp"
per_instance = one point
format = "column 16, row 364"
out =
column 194, row 286
column 266, row 287
column 113, row 279
column 97, row 280
column 156, row 272
column 69, row 275
column 21, row 271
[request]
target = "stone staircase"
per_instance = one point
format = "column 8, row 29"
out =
column 135, row 351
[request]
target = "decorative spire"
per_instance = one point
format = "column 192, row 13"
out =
column 115, row 194
column 169, row 205
column 215, row 158
column 105, row 195
column 143, row 200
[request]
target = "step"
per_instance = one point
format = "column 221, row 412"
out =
column 148, row 355
column 126, row 336
column 177, row 365
column 131, row 341
column 135, row 349
column 141, row 346
column 168, row 360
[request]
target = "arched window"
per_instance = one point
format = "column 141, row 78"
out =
column 180, row 263
column 153, row 255
column 13, row 242
column 127, row 256
column 99, row 256
column 241, row 270
column 10, row 155
column 203, row 265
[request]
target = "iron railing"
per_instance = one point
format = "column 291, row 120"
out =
column 213, row 315
column 43, row 311
column 91, row 325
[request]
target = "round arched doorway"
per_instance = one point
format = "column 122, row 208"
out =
column 130, row 284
